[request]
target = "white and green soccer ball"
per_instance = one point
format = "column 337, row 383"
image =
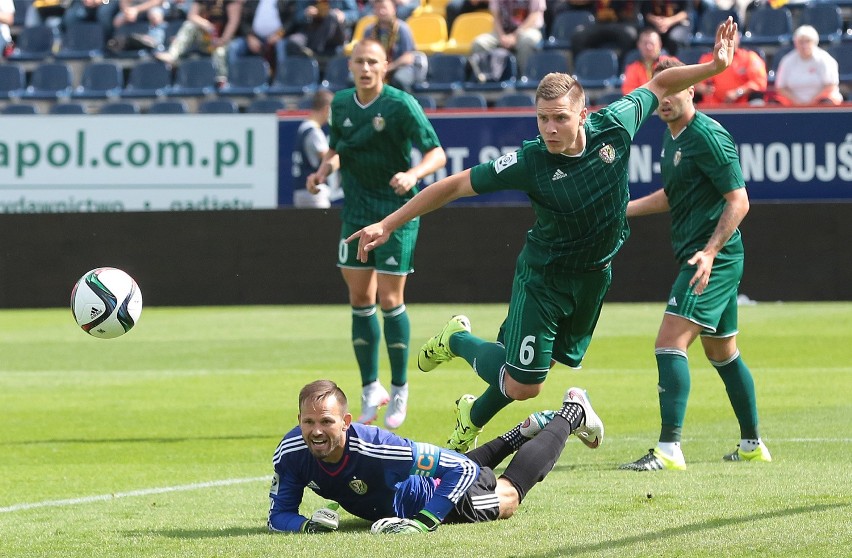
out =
column 106, row 302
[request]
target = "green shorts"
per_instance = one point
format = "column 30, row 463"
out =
column 395, row 257
column 551, row 317
column 715, row 310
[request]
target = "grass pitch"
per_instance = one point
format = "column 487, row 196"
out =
column 159, row 443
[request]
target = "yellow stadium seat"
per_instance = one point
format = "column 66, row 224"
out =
column 358, row 33
column 429, row 31
column 432, row 7
column 467, row 27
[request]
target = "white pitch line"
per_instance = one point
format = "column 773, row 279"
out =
column 130, row 494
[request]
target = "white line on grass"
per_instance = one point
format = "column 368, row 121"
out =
column 130, row 494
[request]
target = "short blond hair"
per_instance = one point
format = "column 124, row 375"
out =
column 556, row 85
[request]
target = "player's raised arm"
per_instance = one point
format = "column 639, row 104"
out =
column 429, row 199
column 677, row 79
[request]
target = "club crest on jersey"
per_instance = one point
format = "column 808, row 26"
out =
column 358, row 486
column 378, row 123
column 505, row 162
column 677, row 157
column 607, row 153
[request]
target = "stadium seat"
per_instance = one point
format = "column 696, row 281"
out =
column 776, row 58
column 168, row 107
column 336, row 75
column 147, row 80
column 49, row 81
column 564, row 25
column 265, row 106
column 101, row 80
column 67, row 108
column 218, row 106
column 248, row 77
column 539, row 65
column 194, row 78
column 132, row 28
column 705, row 34
column 608, row 98
column 33, row 44
column 769, row 26
column 12, row 81
column 506, row 82
column 82, row 41
column 20, row 109
column 119, row 107
column 298, row 75
column 597, row 68
column 445, row 73
column 358, row 32
column 305, row 103
column 691, row 54
column 467, row 100
column 826, row 18
column 467, row 27
column 429, row 31
column 843, row 54
column 514, row 100
column 426, row 101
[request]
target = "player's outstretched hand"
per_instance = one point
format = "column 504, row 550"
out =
column 723, row 51
column 369, row 238
column 324, row 520
column 397, row 525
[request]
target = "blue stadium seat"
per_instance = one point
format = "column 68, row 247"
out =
column 563, row 27
column 539, row 65
column 467, row 101
column 247, row 77
column 33, row 44
column 119, row 107
column 296, row 76
column 265, row 106
column 514, row 100
column 20, row 109
column 769, row 27
column 336, row 75
column 218, row 106
column 507, row 81
column 101, row 80
column 194, row 78
column 82, row 41
column 772, row 69
column 147, row 80
column 67, row 108
column 608, row 98
column 843, row 54
column 826, row 18
column 12, row 81
column 705, row 34
column 445, row 73
column 691, row 54
column 597, row 68
column 426, row 101
column 49, row 81
column 168, row 107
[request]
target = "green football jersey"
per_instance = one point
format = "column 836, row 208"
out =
column 699, row 166
column 374, row 142
column 580, row 202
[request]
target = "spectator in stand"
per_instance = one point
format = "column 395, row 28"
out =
column 807, row 75
column 405, row 66
column 639, row 72
column 616, row 26
column 743, row 82
column 404, row 8
column 669, row 18
column 322, row 27
column 264, row 28
column 518, row 28
column 99, row 11
column 131, row 11
column 211, row 25
column 311, row 147
column 456, row 8
column 7, row 17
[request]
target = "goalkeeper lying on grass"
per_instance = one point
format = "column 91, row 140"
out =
column 406, row 486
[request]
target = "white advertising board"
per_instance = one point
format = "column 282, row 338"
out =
column 94, row 163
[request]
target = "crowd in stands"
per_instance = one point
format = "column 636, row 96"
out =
column 267, row 55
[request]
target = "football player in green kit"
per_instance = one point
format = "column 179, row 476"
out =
column 575, row 175
column 704, row 189
column 373, row 127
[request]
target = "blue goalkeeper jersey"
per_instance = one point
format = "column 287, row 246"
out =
column 380, row 475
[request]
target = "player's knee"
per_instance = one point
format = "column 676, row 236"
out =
column 522, row 392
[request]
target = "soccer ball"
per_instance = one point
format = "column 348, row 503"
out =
column 106, row 302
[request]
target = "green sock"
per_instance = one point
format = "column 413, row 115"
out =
column 674, row 384
column 486, row 358
column 365, row 342
column 487, row 405
column 740, row 387
column 397, row 330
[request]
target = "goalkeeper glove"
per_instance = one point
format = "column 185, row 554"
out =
column 423, row 522
column 324, row 520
